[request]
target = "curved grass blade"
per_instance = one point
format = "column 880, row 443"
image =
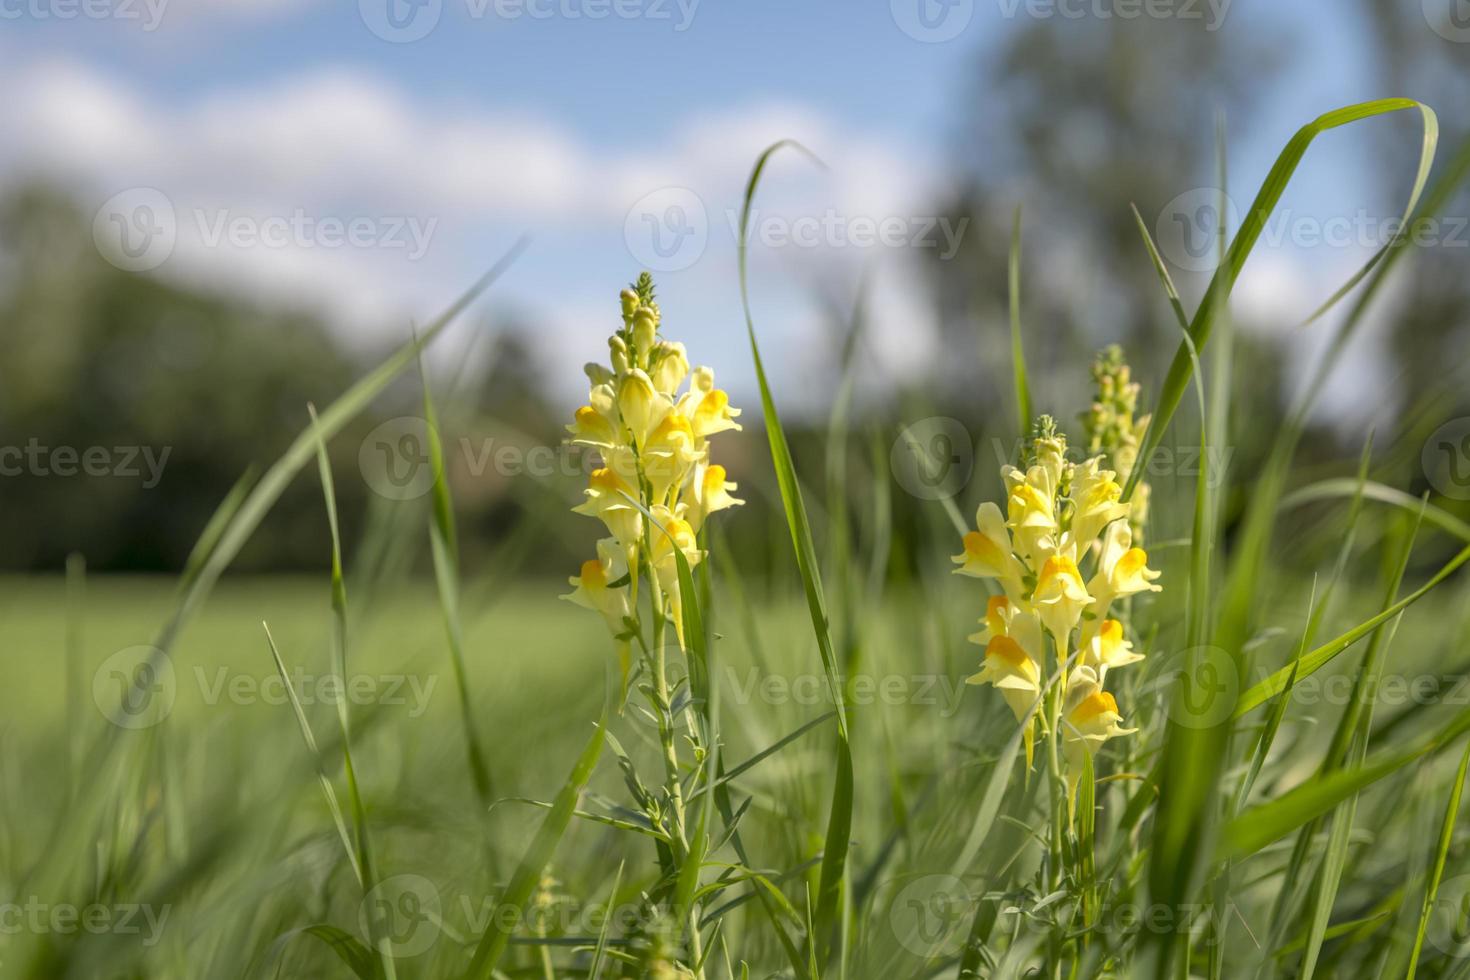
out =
column 839, row 822
column 512, row 905
column 1224, row 279
column 349, row 949
column 1314, row 661
column 1346, row 486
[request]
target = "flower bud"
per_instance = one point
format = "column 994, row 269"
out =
column 644, row 329
column 619, row 351
column 630, row 301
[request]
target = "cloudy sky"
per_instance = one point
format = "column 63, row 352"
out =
column 369, row 158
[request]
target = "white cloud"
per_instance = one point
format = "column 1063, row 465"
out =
column 339, row 144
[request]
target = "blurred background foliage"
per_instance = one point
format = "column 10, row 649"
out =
column 1076, row 125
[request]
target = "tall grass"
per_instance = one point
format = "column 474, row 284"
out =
column 839, row 835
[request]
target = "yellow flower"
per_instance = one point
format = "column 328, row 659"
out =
column 707, row 407
column 1122, row 570
column 1060, row 597
column 640, row 406
column 595, row 423
column 1090, row 718
column 606, row 502
column 711, row 492
column 591, row 589
column 669, row 368
column 1108, row 649
column 676, row 533
column 987, row 551
column 1031, row 512
column 669, row 454
column 1095, row 497
column 1013, row 659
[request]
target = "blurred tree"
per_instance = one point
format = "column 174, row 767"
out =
column 1430, row 322
column 132, row 368
column 1076, row 120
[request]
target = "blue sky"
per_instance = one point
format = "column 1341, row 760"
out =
column 581, row 131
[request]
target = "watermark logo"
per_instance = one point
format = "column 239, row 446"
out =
column 932, row 21
column 932, row 458
column 400, row 21
column 135, row 687
column 1449, row 919
column 1446, row 459
column 667, row 230
column 1202, row 689
column 930, row 913
column 1450, row 19
column 136, row 230
column 395, row 461
column 1188, row 228
column 404, row 910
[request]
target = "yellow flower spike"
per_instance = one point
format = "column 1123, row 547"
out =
column 987, row 551
column 639, row 405
column 605, row 501
column 1096, row 501
column 1108, row 649
column 1091, row 718
column 1060, row 598
column 711, row 492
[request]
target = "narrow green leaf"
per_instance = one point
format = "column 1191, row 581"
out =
column 839, row 823
column 512, row 905
column 1436, row 874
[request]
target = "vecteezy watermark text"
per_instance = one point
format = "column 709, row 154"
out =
column 64, row 919
column 668, row 229
column 406, row 21
column 127, row 462
column 138, row 229
column 148, row 14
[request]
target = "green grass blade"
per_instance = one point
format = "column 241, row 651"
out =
column 328, row 791
column 1273, row 685
column 1346, row 486
column 1224, row 279
column 444, row 545
column 1018, row 355
column 839, row 824
column 1256, row 828
column 367, row 876
column 1436, row 874
column 512, row 904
